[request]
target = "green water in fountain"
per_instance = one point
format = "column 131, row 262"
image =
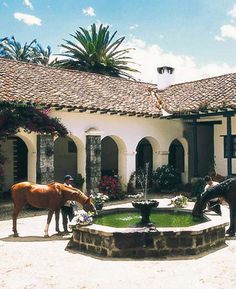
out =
column 158, row 218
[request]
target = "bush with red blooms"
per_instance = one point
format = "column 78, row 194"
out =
column 111, row 187
column 29, row 117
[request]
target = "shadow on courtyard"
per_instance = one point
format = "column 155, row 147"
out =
column 54, row 237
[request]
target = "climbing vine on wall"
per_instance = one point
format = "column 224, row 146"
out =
column 29, row 117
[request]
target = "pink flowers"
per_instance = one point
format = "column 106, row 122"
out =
column 111, row 187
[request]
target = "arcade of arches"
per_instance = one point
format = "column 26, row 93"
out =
column 70, row 156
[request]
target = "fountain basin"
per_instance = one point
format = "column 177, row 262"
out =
column 149, row 242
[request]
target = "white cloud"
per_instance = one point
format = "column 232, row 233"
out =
column 28, row 4
column 149, row 57
column 89, row 11
column 232, row 12
column 134, row 27
column 28, row 19
column 228, row 31
column 219, row 38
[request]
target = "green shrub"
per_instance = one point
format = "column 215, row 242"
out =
column 166, row 177
column 131, row 187
column 197, row 186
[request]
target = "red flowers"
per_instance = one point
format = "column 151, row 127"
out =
column 111, row 187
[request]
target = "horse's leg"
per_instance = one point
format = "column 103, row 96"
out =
column 50, row 213
column 14, row 219
column 231, row 229
column 57, row 215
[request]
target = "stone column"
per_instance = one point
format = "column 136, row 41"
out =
column 93, row 160
column 45, row 159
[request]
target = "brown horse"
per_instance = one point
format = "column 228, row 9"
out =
column 52, row 196
column 227, row 190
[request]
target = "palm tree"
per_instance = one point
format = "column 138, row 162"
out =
column 41, row 56
column 94, row 51
column 33, row 52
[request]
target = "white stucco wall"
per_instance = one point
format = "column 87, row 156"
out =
column 219, row 132
column 127, row 132
column 65, row 162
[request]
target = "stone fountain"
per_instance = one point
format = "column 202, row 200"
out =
column 145, row 206
column 145, row 240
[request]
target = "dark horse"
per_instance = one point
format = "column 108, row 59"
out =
column 52, row 196
column 227, row 190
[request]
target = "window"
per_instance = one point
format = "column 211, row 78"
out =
column 232, row 147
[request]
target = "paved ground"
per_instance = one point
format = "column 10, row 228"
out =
column 32, row 261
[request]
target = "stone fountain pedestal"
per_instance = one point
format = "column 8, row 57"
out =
column 145, row 208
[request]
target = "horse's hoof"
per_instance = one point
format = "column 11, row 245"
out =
column 59, row 233
column 16, row 235
column 46, row 236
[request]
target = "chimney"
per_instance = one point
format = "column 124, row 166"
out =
column 165, row 77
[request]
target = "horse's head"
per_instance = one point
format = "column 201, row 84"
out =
column 198, row 209
column 89, row 206
column 79, row 196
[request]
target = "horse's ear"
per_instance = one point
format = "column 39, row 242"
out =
column 58, row 189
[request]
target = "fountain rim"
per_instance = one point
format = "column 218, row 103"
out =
column 212, row 219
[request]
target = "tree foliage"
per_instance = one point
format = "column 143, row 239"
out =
column 32, row 52
column 96, row 51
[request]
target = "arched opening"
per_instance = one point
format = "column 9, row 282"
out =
column 176, row 156
column 109, row 157
column 144, row 155
column 65, row 158
column 144, row 163
column 15, row 168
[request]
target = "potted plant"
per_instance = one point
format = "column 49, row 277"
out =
column 99, row 200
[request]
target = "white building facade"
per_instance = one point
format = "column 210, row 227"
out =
column 116, row 126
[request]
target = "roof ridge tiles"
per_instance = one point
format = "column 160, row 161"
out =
column 65, row 70
column 203, row 79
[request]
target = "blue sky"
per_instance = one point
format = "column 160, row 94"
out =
column 197, row 37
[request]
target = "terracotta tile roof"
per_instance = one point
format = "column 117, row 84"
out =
column 207, row 94
column 25, row 82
